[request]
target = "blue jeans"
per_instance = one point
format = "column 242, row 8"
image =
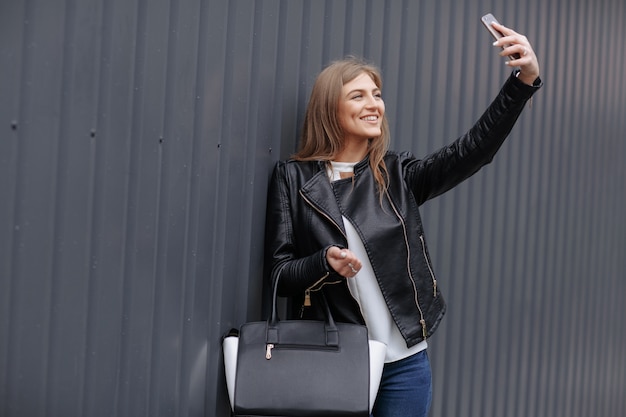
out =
column 405, row 388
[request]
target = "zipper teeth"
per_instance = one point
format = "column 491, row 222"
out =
column 408, row 259
column 311, row 288
column 323, row 214
column 323, row 285
column 430, row 269
column 287, row 346
column 320, row 281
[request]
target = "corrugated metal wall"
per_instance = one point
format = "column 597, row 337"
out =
column 136, row 142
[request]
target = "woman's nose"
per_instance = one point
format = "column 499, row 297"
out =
column 372, row 101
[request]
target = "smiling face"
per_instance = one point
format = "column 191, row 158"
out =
column 360, row 110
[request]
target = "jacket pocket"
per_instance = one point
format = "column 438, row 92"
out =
column 428, row 264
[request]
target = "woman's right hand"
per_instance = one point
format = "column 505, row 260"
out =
column 343, row 261
column 514, row 42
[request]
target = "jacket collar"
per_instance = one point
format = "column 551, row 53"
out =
column 318, row 191
column 358, row 167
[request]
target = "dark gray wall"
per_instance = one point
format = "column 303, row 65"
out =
column 136, row 142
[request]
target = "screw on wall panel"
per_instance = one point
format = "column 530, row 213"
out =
column 93, row 133
column 14, row 124
column 161, row 139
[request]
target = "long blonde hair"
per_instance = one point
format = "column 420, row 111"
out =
column 322, row 135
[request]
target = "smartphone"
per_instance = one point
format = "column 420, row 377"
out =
column 487, row 20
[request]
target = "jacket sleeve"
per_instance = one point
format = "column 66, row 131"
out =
column 452, row 164
column 297, row 272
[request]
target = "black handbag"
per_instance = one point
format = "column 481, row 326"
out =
column 302, row 368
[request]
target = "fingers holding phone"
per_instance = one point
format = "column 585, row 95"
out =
column 516, row 47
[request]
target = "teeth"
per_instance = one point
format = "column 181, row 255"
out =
column 370, row 118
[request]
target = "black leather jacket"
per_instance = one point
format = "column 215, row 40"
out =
column 304, row 219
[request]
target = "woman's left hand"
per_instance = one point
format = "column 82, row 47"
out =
column 515, row 43
column 343, row 261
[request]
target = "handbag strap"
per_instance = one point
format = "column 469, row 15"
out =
column 332, row 334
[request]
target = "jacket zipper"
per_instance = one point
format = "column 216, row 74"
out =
column 324, row 214
column 408, row 267
column 430, row 269
column 307, row 292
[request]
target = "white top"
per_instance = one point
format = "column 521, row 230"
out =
column 365, row 290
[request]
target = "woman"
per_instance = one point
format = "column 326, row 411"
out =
column 343, row 216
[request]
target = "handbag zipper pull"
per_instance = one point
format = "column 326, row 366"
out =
column 268, row 351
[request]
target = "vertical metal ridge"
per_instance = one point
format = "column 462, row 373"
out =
column 59, row 192
column 601, row 157
column 187, row 390
column 548, row 360
column 215, row 169
column 250, row 151
column 122, row 394
column 157, row 368
column 327, row 30
column 571, row 372
column 94, row 253
column 17, row 342
column 220, row 184
column 303, row 62
column 538, row 268
column 12, row 267
column 12, row 116
column 214, row 15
